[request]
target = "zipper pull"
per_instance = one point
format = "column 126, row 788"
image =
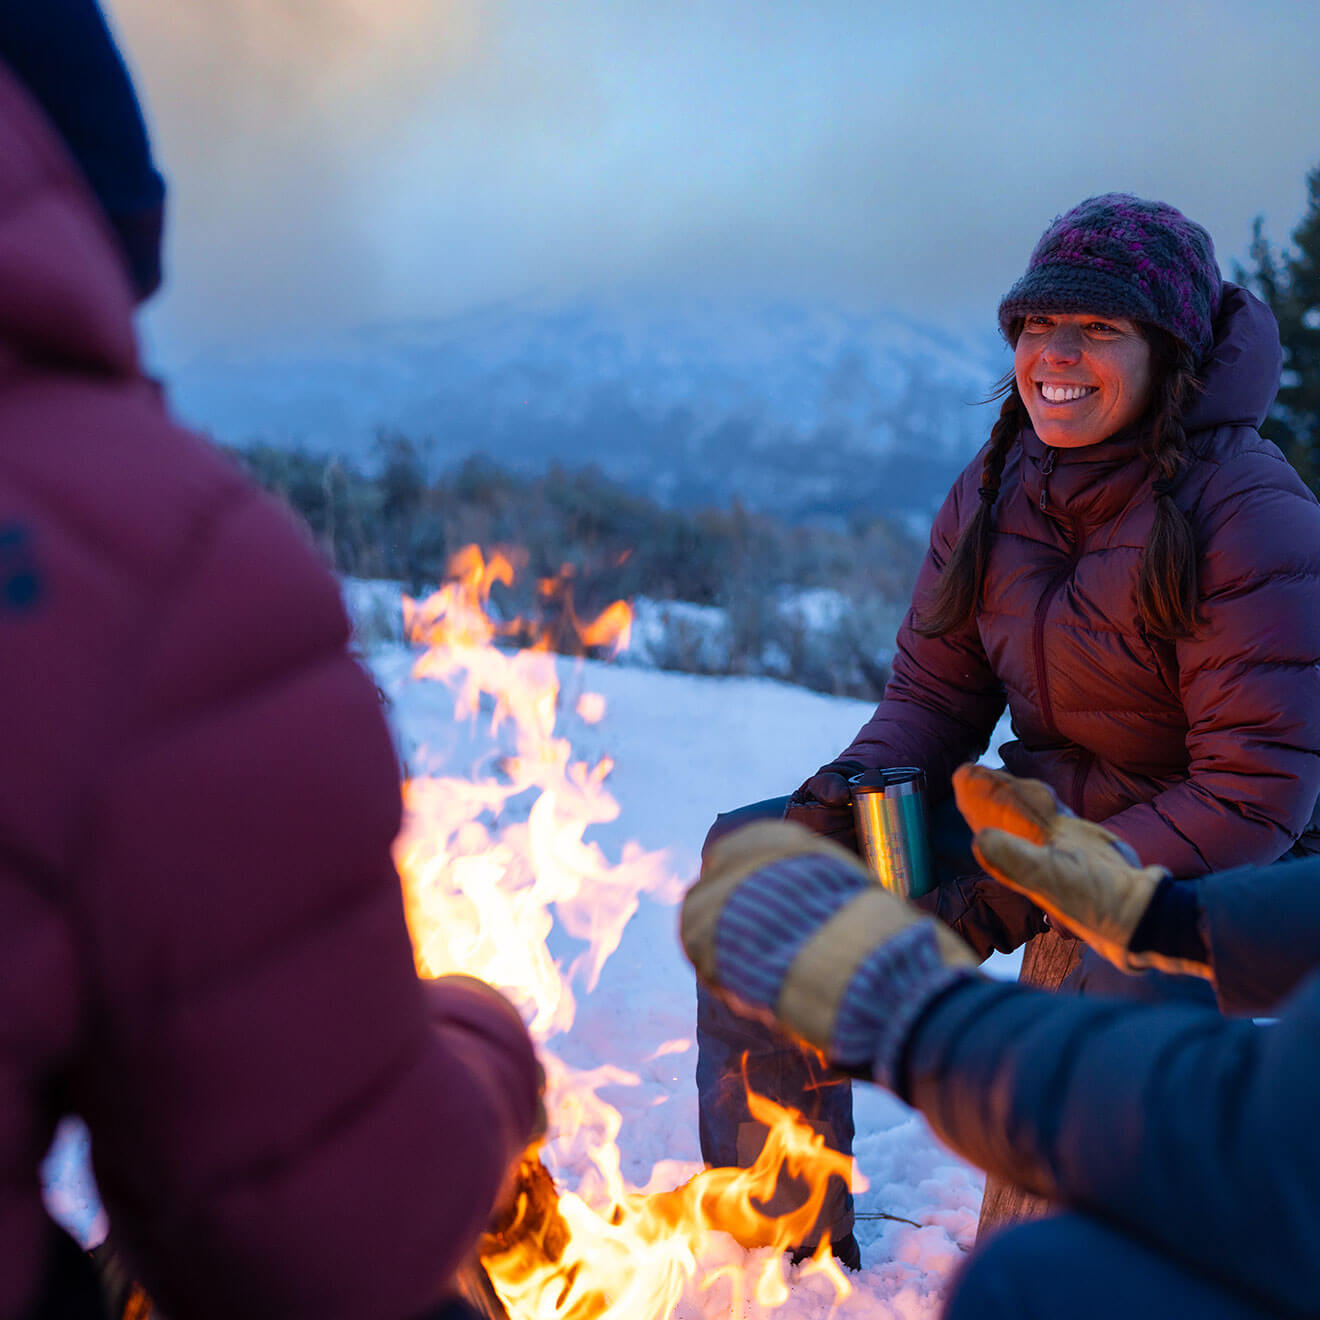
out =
column 1045, row 469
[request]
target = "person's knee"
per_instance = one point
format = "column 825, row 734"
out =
column 1028, row 1271
column 1004, row 1279
column 728, row 821
column 719, row 828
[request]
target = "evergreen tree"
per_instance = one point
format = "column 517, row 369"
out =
column 1289, row 283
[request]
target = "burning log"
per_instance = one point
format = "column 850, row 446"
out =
column 476, row 1289
column 121, row 1294
column 531, row 1215
column 630, row 1261
column 532, row 1236
column 482, row 890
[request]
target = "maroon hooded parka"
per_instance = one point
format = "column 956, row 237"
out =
column 202, row 942
column 1203, row 754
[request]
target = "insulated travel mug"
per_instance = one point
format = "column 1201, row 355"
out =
column 889, row 807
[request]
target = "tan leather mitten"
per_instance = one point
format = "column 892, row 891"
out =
column 1078, row 872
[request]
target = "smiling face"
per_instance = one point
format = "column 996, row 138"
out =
column 1082, row 377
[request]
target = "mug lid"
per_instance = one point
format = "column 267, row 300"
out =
column 878, row 778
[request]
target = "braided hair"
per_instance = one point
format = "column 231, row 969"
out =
column 958, row 593
column 1167, row 587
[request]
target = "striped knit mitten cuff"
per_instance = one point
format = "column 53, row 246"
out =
column 888, row 993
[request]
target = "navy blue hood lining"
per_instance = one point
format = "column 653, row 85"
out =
column 62, row 51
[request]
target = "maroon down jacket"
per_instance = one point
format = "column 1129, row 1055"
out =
column 202, row 944
column 1203, row 754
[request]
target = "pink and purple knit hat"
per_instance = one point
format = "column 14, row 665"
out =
column 1118, row 255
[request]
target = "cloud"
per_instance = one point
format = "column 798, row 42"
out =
column 335, row 161
column 268, row 117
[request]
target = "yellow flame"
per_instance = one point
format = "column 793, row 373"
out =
column 482, row 894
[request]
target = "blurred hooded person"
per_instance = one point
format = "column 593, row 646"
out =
column 201, row 927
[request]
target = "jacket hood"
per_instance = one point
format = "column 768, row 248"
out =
column 1243, row 369
column 64, row 290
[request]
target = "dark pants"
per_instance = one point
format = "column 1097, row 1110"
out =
column 735, row 1053
column 1072, row 1266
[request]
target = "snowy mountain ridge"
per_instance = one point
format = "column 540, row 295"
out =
column 798, row 411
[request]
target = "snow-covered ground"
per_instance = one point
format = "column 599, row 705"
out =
column 683, row 748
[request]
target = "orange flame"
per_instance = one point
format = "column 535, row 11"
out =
column 638, row 1259
column 484, row 884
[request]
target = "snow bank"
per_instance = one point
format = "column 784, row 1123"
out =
column 815, row 636
column 375, row 608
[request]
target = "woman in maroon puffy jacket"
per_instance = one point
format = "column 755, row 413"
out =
column 1129, row 569
column 1127, row 564
column 202, row 939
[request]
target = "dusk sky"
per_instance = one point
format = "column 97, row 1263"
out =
column 334, row 162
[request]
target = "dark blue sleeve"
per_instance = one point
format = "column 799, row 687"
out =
column 1193, row 1132
column 1172, row 924
column 1263, row 928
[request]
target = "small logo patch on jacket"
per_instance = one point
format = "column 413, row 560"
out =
column 20, row 579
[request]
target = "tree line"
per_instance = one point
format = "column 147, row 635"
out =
column 1288, row 280
column 580, row 541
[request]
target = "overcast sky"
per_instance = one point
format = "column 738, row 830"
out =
column 333, row 162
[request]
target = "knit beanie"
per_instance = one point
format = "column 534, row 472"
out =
column 63, row 53
column 1118, row 255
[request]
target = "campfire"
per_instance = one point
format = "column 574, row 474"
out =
column 492, row 861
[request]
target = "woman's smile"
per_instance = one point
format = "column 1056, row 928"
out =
column 1061, row 394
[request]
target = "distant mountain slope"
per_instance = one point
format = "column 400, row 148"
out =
column 806, row 413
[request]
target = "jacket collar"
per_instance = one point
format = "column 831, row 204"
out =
column 1084, row 486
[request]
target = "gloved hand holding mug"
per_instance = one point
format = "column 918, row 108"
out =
column 791, row 929
column 823, row 803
